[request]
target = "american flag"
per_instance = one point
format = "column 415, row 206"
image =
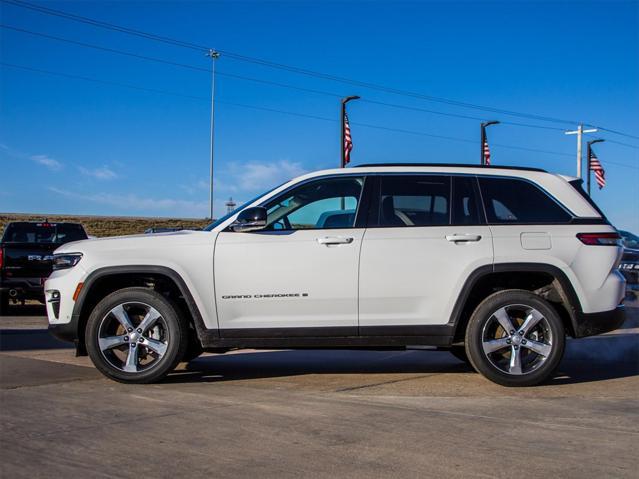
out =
column 348, row 141
column 595, row 165
column 486, row 151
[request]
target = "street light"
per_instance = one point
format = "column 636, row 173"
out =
column 342, row 136
column 588, row 153
column 214, row 56
column 482, row 159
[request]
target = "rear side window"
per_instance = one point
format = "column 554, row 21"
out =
column 43, row 233
column 413, row 200
column 512, row 201
column 578, row 185
column 466, row 205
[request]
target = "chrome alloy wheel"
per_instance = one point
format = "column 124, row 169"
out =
column 517, row 339
column 133, row 337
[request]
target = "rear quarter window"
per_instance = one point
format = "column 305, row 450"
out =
column 57, row 233
column 514, row 201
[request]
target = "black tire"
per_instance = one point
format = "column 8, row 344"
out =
column 174, row 327
column 501, row 365
column 4, row 304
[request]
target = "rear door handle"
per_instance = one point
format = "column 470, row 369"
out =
column 465, row 238
column 334, row 240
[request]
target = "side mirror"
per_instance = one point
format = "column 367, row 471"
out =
column 250, row 219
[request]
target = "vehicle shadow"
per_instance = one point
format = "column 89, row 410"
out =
column 29, row 339
column 25, row 310
column 586, row 360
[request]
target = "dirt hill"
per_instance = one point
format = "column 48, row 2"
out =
column 101, row 226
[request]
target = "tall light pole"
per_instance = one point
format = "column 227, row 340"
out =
column 588, row 153
column 579, row 132
column 342, row 162
column 214, row 56
column 482, row 156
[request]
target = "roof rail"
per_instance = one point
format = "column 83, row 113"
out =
column 452, row 165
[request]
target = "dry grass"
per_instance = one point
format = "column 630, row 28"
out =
column 101, row 226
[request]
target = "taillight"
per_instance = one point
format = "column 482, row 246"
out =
column 0, row 257
column 600, row 239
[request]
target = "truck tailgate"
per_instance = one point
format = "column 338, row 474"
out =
column 26, row 260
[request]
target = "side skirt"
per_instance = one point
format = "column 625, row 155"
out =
column 327, row 338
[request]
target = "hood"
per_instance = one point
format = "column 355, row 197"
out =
column 183, row 237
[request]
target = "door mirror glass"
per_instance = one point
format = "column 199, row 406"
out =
column 250, row 219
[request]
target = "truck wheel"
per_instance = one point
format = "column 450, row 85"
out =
column 136, row 335
column 515, row 338
column 4, row 304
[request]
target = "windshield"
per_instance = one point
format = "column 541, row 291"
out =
column 244, row 205
column 57, row 233
column 629, row 240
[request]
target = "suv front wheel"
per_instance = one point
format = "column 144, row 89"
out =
column 515, row 338
column 136, row 335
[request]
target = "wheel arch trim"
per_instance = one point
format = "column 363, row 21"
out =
column 568, row 291
column 173, row 275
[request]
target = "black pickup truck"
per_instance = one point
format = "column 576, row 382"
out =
column 629, row 266
column 26, row 257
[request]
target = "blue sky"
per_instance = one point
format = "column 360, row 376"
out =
column 74, row 146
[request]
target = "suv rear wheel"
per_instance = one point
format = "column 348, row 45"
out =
column 136, row 335
column 515, row 338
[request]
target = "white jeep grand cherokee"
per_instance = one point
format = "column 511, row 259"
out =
column 497, row 265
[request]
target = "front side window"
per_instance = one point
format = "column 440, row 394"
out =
column 512, row 201
column 327, row 203
column 414, row 200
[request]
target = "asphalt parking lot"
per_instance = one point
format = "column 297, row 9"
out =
column 316, row 414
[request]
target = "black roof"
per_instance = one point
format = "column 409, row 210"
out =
column 453, row 165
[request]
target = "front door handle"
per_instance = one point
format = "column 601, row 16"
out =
column 465, row 238
column 328, row 240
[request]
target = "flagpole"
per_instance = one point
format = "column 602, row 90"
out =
column 588, row 165
column 481, row 143
column 588, row 155
column 482, row 157
column 344, row 101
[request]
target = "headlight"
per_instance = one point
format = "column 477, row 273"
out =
column 67, row 260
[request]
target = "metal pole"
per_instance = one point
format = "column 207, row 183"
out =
column 341, row 147
column 481, row 144
column 589, row 153
column 482, row 156
column 342, row 162
column 588, row 165
column 214, row 56
column 579, row 132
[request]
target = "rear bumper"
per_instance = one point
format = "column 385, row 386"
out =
column 591, row 324
column 27, row 288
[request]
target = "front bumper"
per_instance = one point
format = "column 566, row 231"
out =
column 67, row 332
column 591, row 324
